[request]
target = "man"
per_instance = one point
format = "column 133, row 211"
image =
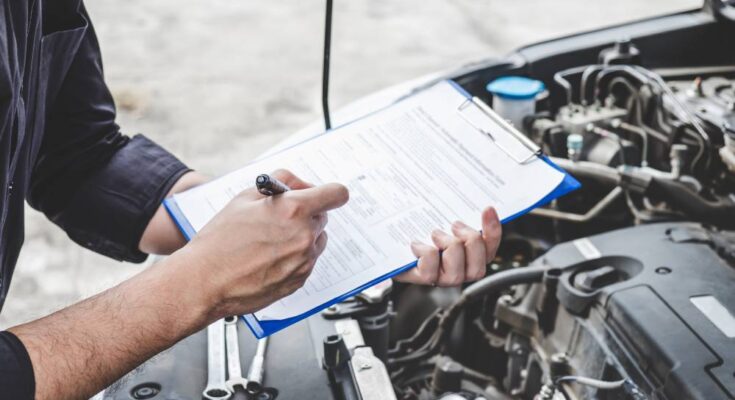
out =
column 62, row 151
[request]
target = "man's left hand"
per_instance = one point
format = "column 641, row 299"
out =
column 454, row 259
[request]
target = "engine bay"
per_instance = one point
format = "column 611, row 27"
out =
column 608, row 293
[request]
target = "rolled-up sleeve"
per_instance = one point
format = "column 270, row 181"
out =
column 16, row 372
column 97, row 184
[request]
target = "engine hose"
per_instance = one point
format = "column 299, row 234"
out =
column 491, row 284
column 502, row 280
column 718, row 212
column 586, row 169
column 595, row 383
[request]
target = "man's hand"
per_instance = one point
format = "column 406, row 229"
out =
column 456, row 259
column 254, row 252
column 259, row 249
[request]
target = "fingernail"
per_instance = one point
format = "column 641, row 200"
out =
column 416, row 247
column 459, row 224
column 492, row 213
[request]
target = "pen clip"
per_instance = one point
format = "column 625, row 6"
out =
column 531, row 149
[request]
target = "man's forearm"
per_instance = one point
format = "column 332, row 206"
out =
column 161, row 236
column 254, row 251
column 80, row 350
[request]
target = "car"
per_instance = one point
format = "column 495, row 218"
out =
column 625, row 289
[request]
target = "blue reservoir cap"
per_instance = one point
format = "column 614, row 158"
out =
column 515, row 87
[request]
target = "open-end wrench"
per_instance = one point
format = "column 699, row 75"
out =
column 216, row 388
column 234, row 371
column 257, row 367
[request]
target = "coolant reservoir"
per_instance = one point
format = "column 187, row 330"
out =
column 514, row 97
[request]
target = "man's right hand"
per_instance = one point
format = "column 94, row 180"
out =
column 259, row 249
column 255, row 251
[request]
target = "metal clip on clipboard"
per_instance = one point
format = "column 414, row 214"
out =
column 521, row 149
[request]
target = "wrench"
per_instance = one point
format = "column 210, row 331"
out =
column 216, row 388
column 234, row 372
column 257, row 367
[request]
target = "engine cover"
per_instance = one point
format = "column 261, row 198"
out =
column 653, row 303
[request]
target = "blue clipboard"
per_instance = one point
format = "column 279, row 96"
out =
column 265, row 328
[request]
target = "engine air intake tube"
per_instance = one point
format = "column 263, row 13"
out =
column 446, row 319
column 491, row 284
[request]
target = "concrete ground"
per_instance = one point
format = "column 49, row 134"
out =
column 219, row 81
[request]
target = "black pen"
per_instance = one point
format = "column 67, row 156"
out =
column 269, row 185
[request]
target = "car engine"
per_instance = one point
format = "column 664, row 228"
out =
column 621, row 290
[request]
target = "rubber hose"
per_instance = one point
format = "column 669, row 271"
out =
column 501, row 280
column 720, row 212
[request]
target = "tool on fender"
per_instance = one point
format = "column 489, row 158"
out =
column 257, row 367
column 216, row 388
column 222, row 341
column 234, row 371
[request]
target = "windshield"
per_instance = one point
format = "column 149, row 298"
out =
column 511, row 24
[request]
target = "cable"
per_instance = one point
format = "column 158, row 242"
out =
column 422, row 350
column 591, row 69
column 644, row 76
column 595, row 383
column 548, row 390
column 617, row 68
column 633, row 99
column 685, row 110
column 561, row 80
column 700, row 144
column 662, row 118
column 500, row 280
column 325, row 65
column 648, row 77
column 627, row 385
column 477, row 375
column 490, row 284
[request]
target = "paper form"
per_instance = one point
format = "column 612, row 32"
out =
column 411, row 168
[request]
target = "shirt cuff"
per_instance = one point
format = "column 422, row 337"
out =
column 16, row 371
column 110, row 211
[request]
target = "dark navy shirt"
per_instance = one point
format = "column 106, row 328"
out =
column 61, row 150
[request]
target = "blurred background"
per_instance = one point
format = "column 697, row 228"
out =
column 219, row 81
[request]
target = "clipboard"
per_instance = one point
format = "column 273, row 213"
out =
column 475, row 113
column 528, row 149
column 525, row 153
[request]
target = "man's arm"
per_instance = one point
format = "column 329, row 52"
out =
column 161, row 235
column 81, row 349
column 102, row 187
column 254, row 252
